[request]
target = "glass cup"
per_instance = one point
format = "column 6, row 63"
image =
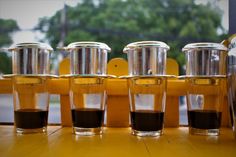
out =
column 147, row 97
column 87, row 86
column 205, row 103
column 31, row 101
column 30, row 93
column 88, row 99
column 147, row 86
column 206, row 75
column 231, row 82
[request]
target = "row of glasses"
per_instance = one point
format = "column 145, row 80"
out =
column 147, row 82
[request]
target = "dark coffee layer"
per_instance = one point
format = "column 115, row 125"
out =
column 31, row 118
column 204, row 119
column 147, row 120
column 87, row 118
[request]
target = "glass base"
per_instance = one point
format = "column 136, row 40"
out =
column 146, row 133
column 208, row 132
column 87, row 131
column 234, row 130
column 30, row 131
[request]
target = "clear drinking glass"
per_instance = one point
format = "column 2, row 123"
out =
column 205, row 103
column 87, row 86
column 147, row 97
column 231, row 82
column 147, row 86
column 206, row 74
column 88, row 99
column 30, row 93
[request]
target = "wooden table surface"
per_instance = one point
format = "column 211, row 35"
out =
column 59, row 142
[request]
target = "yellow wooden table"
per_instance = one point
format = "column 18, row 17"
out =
column 59, row 141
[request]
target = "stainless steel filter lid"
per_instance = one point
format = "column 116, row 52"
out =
column 143, row 44
column 30, row 45
column 88, row 44
column 231, row 60
column 205, row 46
column 232, row 50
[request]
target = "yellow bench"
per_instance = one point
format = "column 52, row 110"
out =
column 117, row 103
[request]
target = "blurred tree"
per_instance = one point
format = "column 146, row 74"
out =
column 119, row 22
column 6, row 28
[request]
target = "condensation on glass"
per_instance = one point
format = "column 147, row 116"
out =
column 147, row 86
column 31, row 66
column 88, row 73
column 205, row 76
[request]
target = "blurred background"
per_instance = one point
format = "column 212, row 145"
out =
column 114, row 22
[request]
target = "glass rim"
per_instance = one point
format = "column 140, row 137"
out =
column 147, row 76
column 142, row 44
column 87, row 76
column 200, row 76
column 30, row 75
column 30, row 45
column 87, row 44
column 204, row 46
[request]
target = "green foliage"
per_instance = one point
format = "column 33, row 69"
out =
column 119, row 22
column 5, row 66
column 6, row 28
